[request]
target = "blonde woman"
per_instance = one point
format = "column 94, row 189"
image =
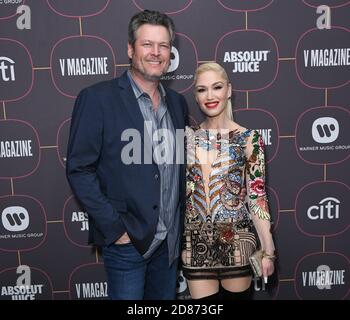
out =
column 220, row 227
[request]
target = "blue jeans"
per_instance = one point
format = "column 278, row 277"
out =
column 131, row 277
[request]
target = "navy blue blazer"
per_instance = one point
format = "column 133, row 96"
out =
column 117, row 197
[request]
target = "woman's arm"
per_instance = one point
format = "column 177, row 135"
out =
column 257, row 198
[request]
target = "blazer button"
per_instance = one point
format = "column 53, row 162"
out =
column 155, row 207
column 156, row 176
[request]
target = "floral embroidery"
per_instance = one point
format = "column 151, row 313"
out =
column 256, row 183
column 218, row 229
column 257, row 187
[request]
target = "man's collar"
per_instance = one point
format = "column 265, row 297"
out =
column 137, row 90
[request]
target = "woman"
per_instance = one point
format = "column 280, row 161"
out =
column 219, row 234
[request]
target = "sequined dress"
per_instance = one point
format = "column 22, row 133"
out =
column 219, row 232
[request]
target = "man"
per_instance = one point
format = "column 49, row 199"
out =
column 134, row 209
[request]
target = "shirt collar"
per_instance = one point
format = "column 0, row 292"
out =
column 137, row 90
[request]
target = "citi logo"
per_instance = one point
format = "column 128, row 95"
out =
column 174, row 60
column 328, row 208
column 15, row 218
column 325, row 130
column 7, row 69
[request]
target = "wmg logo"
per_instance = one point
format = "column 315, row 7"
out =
column 325, row 130
column 174, row 60
column 15, row 218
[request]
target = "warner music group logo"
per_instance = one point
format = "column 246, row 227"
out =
column 15, row 218
column 175, row 60
column 322, row 135
column 11, row 1
column 324, row 131
column 174, row 65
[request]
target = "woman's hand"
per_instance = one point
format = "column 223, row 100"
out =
column 267, row 267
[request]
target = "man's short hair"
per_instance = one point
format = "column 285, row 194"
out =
column 150, row 17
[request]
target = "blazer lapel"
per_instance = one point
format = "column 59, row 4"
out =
column 133, row 110
column 131, row 105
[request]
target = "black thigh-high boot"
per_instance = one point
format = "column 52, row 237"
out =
column 243, row 295
column 215, row 296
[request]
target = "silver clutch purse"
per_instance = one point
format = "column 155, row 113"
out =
column 256, row 263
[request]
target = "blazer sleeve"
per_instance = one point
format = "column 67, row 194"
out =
column 83, row 153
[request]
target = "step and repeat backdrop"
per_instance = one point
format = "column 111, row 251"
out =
column 289, row 64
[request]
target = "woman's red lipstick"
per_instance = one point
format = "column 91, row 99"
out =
column 211, row 105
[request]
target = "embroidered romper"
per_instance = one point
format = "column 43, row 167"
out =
column 219, row 233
